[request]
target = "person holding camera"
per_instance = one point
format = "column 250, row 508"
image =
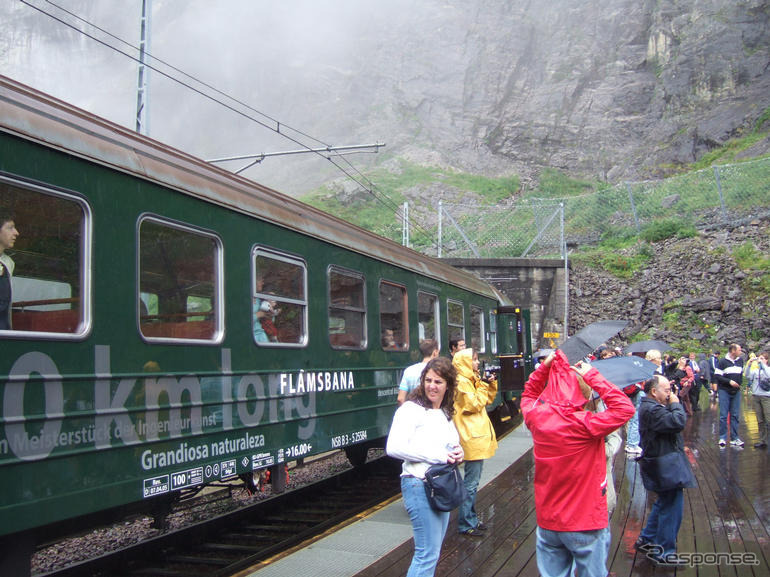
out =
column 571, row 464
column 477, row 435
column 684, row 378
column 661, row 420
column 759, row 379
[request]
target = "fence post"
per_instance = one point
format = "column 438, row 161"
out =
column 565, row 332
column 633, row 206
column 721, row 196
column 440, row 211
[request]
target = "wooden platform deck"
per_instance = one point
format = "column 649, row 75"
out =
column 726, row 523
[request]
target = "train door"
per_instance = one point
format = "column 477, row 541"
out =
column 513, row 347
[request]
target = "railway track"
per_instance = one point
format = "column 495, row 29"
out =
column 236, row 540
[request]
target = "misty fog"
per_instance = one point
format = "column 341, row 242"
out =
column 280, row 58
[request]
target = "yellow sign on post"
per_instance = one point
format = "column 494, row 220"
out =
column 551, row 335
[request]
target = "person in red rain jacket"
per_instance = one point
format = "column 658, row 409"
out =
column 570, row 467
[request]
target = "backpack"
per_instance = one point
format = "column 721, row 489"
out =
column 631, row 389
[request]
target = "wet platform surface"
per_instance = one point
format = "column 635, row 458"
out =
column 726, row 526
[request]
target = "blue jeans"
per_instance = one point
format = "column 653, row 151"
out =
column 732, row 404
column 632, row 436
column 558, row 550
column 466, row 517
column 665, row 519
column 429, row 527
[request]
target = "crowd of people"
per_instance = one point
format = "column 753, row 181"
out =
column 575, row 417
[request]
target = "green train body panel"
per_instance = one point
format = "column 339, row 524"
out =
column 103, row 416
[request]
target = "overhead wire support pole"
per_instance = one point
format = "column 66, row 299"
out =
column 142, row 124
column 405, row 225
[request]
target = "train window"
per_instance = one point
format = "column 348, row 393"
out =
column 347, row 309
column 46, row 262
column 493, row 331
column 279, row 299
column 179, row 283
column 428, row 316
column 477, row 329
column 394, row 322
column 455, row 320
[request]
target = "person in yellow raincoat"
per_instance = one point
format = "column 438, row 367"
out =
column 477, row 436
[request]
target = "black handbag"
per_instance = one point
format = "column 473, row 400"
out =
column 666, row 472
column 444, row 487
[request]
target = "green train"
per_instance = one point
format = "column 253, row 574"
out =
column 173, row 324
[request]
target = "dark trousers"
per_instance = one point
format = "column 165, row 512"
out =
column 664, row 520
column 695, row 396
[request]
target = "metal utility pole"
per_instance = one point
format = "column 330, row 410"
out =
column 142, row 122
column 405, row 225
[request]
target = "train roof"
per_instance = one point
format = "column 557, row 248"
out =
column 41, row 118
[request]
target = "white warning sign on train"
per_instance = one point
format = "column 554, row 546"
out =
column 189, row 478
column 228, row 468
column 156, row 486
column 262, row 460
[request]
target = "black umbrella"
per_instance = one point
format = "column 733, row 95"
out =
column 542, row 353
column 587, row 339
column 644, row 346
column 622, row 371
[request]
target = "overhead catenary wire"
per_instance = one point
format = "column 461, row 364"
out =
column 269, row 123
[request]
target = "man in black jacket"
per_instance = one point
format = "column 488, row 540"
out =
column 729, row 376
column 661, row 420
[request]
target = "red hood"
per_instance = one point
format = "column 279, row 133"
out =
column 563, row 389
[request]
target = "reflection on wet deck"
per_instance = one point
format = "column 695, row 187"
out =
column 726, row 527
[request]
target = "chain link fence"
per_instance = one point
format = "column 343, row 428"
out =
column 543, row 228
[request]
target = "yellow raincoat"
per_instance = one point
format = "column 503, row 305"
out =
column 477, row 436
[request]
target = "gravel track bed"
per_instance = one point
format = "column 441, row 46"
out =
column 106, row 539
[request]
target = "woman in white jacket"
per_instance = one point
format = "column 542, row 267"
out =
column 423, row 434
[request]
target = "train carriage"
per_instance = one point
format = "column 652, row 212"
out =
column 174, row 324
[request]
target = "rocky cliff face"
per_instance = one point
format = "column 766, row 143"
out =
column 611, row 88
column 692, row 292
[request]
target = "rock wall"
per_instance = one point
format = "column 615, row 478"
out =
column 611, row 88
column 691, row 291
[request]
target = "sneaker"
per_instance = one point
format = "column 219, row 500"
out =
column 633, row 449
column 722, row 443
column 737, row 443
column 472, row 533
column 760, row 445
column 642, row 544
column 481, row 527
